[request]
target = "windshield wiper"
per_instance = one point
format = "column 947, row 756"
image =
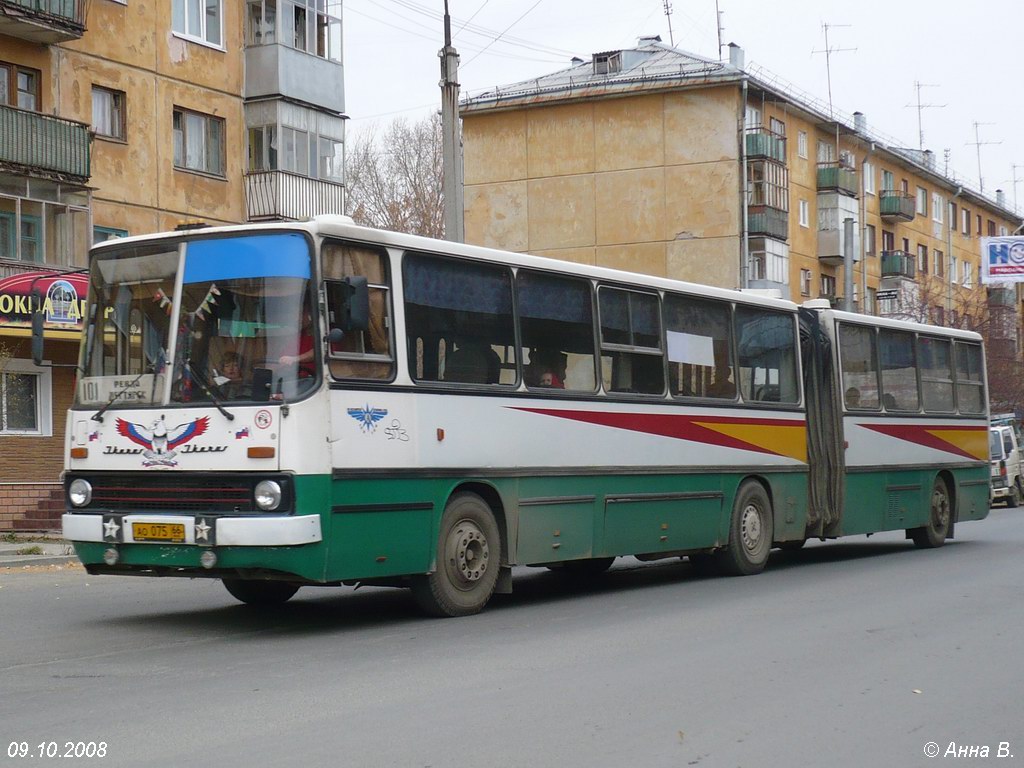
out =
column 201, row 381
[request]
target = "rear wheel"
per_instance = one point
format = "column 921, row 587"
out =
column 468, row 560
column 934, row 533
column 1013, row 500
column 750, row 532
column 260, row 592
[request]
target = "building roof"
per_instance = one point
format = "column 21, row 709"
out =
column 651, row 65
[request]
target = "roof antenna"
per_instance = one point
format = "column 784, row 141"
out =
column 668, row 15
column 920, row 108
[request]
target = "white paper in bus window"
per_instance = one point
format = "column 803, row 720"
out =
column 689, row 348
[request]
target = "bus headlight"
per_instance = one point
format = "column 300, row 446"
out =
column 80, row 492
column 268, row 495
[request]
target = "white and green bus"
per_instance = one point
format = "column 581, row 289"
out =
column 320, row 403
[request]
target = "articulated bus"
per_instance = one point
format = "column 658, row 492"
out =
column 319, row 403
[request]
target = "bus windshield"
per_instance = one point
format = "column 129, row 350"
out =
column 241, row 329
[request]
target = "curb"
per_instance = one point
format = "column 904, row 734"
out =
column 27, row 560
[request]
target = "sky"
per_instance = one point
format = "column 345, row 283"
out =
column 964, row 55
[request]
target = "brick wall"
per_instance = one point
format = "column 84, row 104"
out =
column 30, row 506
column 30, row 466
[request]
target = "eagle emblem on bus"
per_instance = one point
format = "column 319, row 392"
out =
column 160, row 441
column 368, row 417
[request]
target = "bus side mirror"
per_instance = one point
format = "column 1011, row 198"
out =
column 38, row 319
column 348, row 303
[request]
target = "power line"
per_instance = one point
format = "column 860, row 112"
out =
column 505, row 30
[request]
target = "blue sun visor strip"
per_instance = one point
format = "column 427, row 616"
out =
column 226, row 258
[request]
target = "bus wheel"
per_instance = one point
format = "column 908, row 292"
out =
column 468, row 560
column 750, row 532
column 934, row 533
column 1013, row 500
column 260, row 592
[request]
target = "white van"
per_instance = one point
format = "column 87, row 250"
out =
column 1004, row 452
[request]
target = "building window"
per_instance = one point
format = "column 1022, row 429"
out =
column 769, row 185
column 25, row 399
column 937, row 205
column 260, row 28
column 198, row 19
column 314, row 26
column 805, row 213
column 19, row 87
column 968, row 275
column 1002, row 231
column 102, row 234
column 869, row 240
column 776, row 126
column 752, row 117
column 888, row 240
column 978, row 217
column 922, row 259
column 801, row 144
column 965, row 223
column 828, row 287
column 954, row 268
column 922, row 201
column 26, row 232
column 869, row 179
column 940, row 265
column 826, row 152
column 888, row 181
column 991, row 228
column 769, row 260
column 198, row 142
column 294, row 150
column 805, row 282
column 108, row 113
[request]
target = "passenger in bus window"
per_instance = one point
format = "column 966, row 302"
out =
column 889, row 401
column 853, row 398
column 304, row 358
column 230, row 381
column 550, row 379
column 722, row 385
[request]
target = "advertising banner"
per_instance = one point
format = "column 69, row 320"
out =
column 62, row 297
column 1002, row 259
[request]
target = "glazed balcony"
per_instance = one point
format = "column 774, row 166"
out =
column 765, row 221
column 286, row 196
column 896, row 206
column 898, row 264
column 838, row 178
column 44, row 145
column 762, row 143
column 43, row 21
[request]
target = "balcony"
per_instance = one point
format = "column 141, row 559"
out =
column 837, row 177
column 898, row 264
column 896, row 206
column 44, row 145
column 1002, row 296
column 43, row 21
column 765, row 221
column 762, row 143
column 282, row 195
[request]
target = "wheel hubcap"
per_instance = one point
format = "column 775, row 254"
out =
column 467, row 553
column 750, row 527
column 940, row 509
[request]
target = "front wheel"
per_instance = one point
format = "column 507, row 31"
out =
column 750, row 532
column 260, row 592
column 468, row 560
column 1014, row 499
column 934, row 533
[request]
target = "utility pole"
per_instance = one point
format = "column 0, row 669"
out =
column 668, row 15
column 977, row 143
column 451, row 185
column 920, row 108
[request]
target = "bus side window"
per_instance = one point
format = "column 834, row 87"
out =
column 470, row 306
column 859, row 364
column 557, row 329
column 699, row 348
column 899, row 371
column 360, row 354
column 631, row 356
column 766, row 346
column 936, row 374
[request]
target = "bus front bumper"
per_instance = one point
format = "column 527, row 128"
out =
column 198, row 530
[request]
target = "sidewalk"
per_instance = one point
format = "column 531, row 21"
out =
column 35, row 549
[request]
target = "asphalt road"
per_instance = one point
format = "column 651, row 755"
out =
column 850, row 653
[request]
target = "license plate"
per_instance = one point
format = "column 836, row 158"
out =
column 172, row 532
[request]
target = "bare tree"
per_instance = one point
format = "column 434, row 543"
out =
column 394, row 178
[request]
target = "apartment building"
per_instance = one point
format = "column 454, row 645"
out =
column 124, row 117
column 655, row 160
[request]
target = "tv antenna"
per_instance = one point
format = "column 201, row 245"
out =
column 1015, row 181
column 920, row 108
column 977, row 144
column 721, row 29
column 668, row 15
column 829, row 50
